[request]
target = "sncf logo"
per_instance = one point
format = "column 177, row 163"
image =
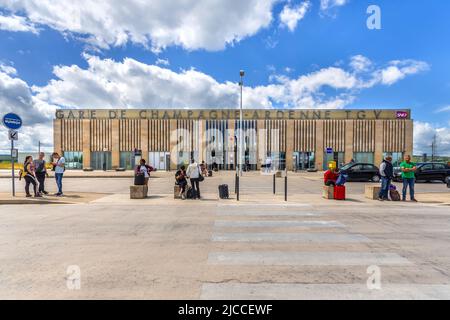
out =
column 402, row 114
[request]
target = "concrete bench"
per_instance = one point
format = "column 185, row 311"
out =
column 371, row 191
column 176, row 192
column 328, row 192
column 138, row 192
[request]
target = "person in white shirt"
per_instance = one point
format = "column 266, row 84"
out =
column 193, row 173
column 268, row 164
column 59, row 164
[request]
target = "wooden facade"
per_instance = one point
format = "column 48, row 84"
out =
column 207, row 137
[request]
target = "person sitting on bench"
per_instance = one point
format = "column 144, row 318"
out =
column 330, row 177
column 180, row 180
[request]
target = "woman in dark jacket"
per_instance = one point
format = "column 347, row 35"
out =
column 144, row 169
column 30, row 177
column 180, row 179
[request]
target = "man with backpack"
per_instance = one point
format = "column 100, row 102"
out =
column 387, row 174
column 41, row 172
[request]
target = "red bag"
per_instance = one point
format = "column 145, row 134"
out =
column 339, row 193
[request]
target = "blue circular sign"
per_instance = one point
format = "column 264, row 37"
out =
column 12, row 121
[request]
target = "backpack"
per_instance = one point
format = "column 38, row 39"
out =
column 189, row 192
column 341, row 180
column 41, row 167
column 395, row 196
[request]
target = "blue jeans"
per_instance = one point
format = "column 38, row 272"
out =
column 58, row 177
column 385, row 184
column 408, row 182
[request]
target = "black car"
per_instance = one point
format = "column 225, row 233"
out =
column 361, row 172
column 428, row 171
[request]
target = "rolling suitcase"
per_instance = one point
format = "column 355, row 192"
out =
column 339, row 192
column 223, row 191
column 139, row 180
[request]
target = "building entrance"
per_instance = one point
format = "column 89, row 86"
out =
column 101, row 160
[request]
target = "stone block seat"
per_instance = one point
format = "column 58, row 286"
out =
column 328, row 192
column 371, row 191
column 138, row 192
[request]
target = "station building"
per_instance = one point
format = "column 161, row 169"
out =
column 296, row 139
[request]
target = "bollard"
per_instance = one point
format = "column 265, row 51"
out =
column 274, row 183
column 237, row 187
column 285, row 187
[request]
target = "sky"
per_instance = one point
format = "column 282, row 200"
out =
column 188, row 53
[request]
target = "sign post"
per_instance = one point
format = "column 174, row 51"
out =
column 13, row 122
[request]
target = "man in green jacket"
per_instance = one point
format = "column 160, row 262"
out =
column 408, row 168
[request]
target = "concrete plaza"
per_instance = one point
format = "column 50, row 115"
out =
column 260, row 247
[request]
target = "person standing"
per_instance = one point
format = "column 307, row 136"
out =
column 144, row 169
column 408, row 169
column 387, row 174
column 268, row 164
column 60, row 166
column 41, row 172
column 193, row 172
column 30, row 177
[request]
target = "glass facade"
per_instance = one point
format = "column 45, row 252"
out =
column 74, row 160
column 127, row 160
column 101, row 160
column 304, row 160
column 159, row 160
column 397, row 158
column 364, row 157
column 278, row 160
column 339, row 157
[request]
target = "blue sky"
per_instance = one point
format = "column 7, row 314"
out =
column 107, row 58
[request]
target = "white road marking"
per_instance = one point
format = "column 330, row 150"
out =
column 286, row 258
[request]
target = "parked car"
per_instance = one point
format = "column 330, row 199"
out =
column 361, row 172
column 428, row 171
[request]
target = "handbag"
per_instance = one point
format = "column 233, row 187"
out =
column 200, row 176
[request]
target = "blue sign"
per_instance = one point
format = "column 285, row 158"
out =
column 12, row 121
column 329, row 150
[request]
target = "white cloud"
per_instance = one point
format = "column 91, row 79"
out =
column 328, row 4
column 191, row 24
column 423, row 137
column 17, row 24
column 291, row 15
column 131, row 84
column 9, row 70
column 398, row 70
column 359, row 63
column 444, row 109
column 162, row 62
column 16, row 96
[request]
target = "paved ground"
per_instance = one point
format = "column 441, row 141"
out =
column 260, row 247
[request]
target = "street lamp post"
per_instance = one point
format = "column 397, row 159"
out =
column 241, row 133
